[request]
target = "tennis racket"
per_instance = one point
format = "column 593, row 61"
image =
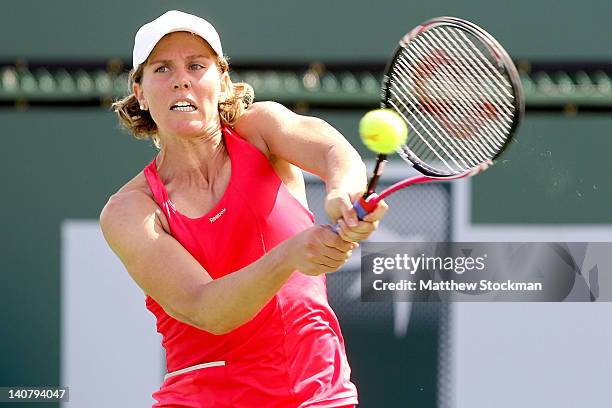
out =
column 461, row 97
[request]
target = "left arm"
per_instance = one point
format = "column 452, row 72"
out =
column 315, row 146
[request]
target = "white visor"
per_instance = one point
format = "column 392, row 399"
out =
column 149, row 34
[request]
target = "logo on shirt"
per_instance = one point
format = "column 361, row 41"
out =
column 216, row 217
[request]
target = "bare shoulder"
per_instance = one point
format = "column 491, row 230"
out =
column 130, row 205
column 261, row 125
column 260, row 121
column 264, row 111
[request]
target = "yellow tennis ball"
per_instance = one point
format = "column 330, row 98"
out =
column 383, row 130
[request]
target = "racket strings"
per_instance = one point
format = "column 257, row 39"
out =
column 449, row 142
column 425, row 123
column 424, row 127
column 480, row 120
column 465, row 75
column 430, row 126
column 469, row 112
column 471, row 118
column 407, row 154
column 400, row 89
column 496, row 82
column 460, row 110
column 483, row 59
column 458, row 105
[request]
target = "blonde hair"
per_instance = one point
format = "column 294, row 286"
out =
column 238, row 98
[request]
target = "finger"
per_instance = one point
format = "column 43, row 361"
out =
column 330, row 263
column 337, row 204
column 346, row 234
column 338, row 260
column 349, row 215
column 341, row 231
column 378, row 212
column 363, row 227
column 335, row 240
column 331, row 208
column 333, row 253
column 361, row 232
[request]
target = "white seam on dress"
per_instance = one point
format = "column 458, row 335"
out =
column 195, row 367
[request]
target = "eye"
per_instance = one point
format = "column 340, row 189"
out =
column 195, row 66
column 162, row 68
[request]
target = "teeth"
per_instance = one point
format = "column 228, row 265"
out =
column 188, row 108
column 183, row 106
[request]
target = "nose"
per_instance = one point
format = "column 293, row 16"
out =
column 182, row 82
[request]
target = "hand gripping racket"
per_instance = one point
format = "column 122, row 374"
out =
column 461, row 97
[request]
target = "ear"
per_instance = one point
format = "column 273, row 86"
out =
column 137, row 89
column 226, row 86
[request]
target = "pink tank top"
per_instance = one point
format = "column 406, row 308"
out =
column 291, row 354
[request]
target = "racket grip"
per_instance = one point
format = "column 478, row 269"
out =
column 365, row 206
column 362, row 207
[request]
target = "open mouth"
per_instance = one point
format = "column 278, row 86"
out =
column 183, row 107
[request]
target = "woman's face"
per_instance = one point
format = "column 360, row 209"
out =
column 181, row 86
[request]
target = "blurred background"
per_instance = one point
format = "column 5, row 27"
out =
column 70, row 314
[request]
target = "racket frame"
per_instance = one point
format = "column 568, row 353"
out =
column 498, row 52
column 368, row 202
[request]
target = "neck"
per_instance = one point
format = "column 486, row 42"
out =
column 201, row 156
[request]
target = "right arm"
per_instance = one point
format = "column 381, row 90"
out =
column 164, row 269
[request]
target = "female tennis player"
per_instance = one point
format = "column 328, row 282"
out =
column 216, row 232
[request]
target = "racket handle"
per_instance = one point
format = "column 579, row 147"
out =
column 362, row 207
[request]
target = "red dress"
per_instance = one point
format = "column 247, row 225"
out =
column 291, row 354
